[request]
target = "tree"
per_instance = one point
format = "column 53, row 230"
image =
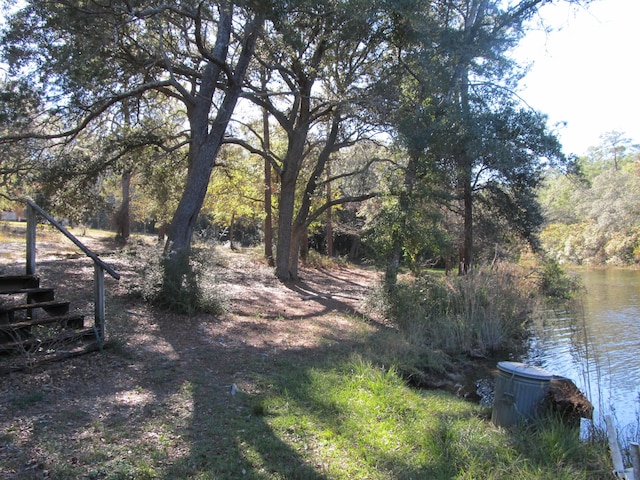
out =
column 19, row 163
column 614, row 146
column 478, row 138
column 321, row 59
column 104, row 54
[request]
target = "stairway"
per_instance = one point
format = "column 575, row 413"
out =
column 36, row 328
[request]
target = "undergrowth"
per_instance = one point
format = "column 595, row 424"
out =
column 190, row 291
column 443, row 316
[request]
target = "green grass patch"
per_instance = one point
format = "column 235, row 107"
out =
column 341, row 419
column 354, row 420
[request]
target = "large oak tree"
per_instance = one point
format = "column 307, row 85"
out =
column 88, row 58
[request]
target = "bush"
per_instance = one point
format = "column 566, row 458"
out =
column 556, row 284
column 188, row 290
column 440, row 317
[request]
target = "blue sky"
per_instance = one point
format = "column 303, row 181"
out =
column 587, row 72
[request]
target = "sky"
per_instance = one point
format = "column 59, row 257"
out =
column 586, row 73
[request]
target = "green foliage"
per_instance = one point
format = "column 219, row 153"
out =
column 478, row 313
column 180, row 283
column 594, row 220
column 236, row 188
column 417, row 226
column 555, row 283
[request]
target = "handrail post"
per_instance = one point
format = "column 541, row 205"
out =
column 99, row 312
column 635, row 459
column 31, row 240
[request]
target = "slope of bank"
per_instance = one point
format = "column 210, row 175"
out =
column 284, row 385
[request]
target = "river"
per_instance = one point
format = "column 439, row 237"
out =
column 598, row 346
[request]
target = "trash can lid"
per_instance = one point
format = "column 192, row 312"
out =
column 524, row 370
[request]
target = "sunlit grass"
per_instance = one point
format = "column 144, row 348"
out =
column 358, row 421
column 340, row 418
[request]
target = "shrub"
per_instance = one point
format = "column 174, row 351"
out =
column 188, row 291
column 555, row 283
column 440, row 317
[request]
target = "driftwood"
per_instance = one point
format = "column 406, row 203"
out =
column 564, row 398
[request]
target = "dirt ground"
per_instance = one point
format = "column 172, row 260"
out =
column 153, row 352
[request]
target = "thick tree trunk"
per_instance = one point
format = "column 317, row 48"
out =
column 393, row 263
column 206, row 138
column 285, row 270
column 285, row 226
column 181, row 228
column 298, row 228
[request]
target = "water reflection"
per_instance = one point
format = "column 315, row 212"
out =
column 596, row 344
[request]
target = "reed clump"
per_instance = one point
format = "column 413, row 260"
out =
column 477, row 314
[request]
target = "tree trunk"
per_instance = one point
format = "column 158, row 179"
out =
column 206, row 137
column 231, row 231
column 181, row 228
column 285, row 225
column 465, row 242
column 298, row 228
column 299, row 248
column 465, row 162
column 123, row 215
column 289, row 176
column 268, row 210
column 467, row 247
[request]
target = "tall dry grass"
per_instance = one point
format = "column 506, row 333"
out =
column 477, row 314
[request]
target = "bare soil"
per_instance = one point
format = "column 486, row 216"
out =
column 152, row 353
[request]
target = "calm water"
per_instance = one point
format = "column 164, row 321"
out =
column 599, row 348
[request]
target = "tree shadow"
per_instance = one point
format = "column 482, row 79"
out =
column 160, row 399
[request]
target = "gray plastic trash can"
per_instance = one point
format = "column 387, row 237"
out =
column 519, row 393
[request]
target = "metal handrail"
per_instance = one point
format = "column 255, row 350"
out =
column 99, row 266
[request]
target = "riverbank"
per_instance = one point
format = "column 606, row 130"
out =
column 284, row 384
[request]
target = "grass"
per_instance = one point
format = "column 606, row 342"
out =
column 354, row 420
column 341, row 418
column 162, row 410
column 349, row 420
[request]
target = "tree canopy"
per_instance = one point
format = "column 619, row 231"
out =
column 409, row 102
